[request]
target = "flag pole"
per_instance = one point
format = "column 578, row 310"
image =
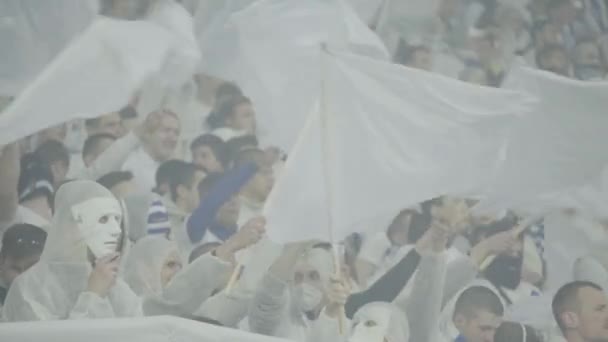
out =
column 327, row 156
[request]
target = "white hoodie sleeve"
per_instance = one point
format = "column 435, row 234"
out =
column 112, row 159
column 228, row 309
column 91, row 305
column 190, row 287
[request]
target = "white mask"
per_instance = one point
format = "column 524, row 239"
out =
column 307, row 297
column 98, row 220
column 371, row 325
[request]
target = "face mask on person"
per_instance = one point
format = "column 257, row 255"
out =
column 505, row 271
column 98, row 221
column 307, row 297
column 370, row 326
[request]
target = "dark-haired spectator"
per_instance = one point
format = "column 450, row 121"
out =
column 110, row 123
column 232, row 117
column 515, row 332
column 581, row 311
column 182, row 197
column 120, row 183
column 22, row 245
column 94, row 147
column 210, row 153
column 54, row 156
column 476, row 316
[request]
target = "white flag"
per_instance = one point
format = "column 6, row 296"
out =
column 272, row 52
column 556, row 149
column 96, row 74
column 397, row 136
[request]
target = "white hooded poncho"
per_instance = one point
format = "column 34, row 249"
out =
column 56, row 287
column 186, row 291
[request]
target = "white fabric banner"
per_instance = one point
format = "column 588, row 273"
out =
column 397, row 136
column 96, row 74
column 558, row 148
column 271, row 49
column 149, row 329
column 33, row 32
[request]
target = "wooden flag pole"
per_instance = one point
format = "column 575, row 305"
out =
column 326, row 147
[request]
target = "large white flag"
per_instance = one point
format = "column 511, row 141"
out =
column 101, row 70
column 395, row 137
column 96, row 74
column 272, row 52
column 33, row 32
column 558, row 148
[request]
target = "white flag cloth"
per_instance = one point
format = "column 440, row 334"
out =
column 33, row 32
column 101, row 70
column 275, row 52
column 558, row 148
column 96, row 74
column 397, row 136
column 144, row 329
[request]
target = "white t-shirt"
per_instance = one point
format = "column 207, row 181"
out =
column 143, row 168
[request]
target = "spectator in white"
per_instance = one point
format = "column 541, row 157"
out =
column 55, row 156
column 22, row 246
column 379, row 322
column 94, row 146
column 104, row 153
column 79, row 266
column 221, row 93
column 588, row 62
column 209, row 153
column 476, row 316
column 381, row 251
column 159, row 144
column 554, row 58
column 110, row 123
column 232, row 117
column 183, row 196
column 581, row 312
column 297, row 298
column 156, row 273
column 120, row 183
column 254, row 193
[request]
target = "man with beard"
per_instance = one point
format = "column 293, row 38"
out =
column 581, row 311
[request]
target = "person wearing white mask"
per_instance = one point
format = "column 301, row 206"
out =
column 379, row 322
column 294, row 300
column 155, row 272
column 78, row 273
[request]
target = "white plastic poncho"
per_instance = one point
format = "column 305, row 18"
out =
column 145, row 262
column 186, row 291
column 387, row 317
column 55, row 288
